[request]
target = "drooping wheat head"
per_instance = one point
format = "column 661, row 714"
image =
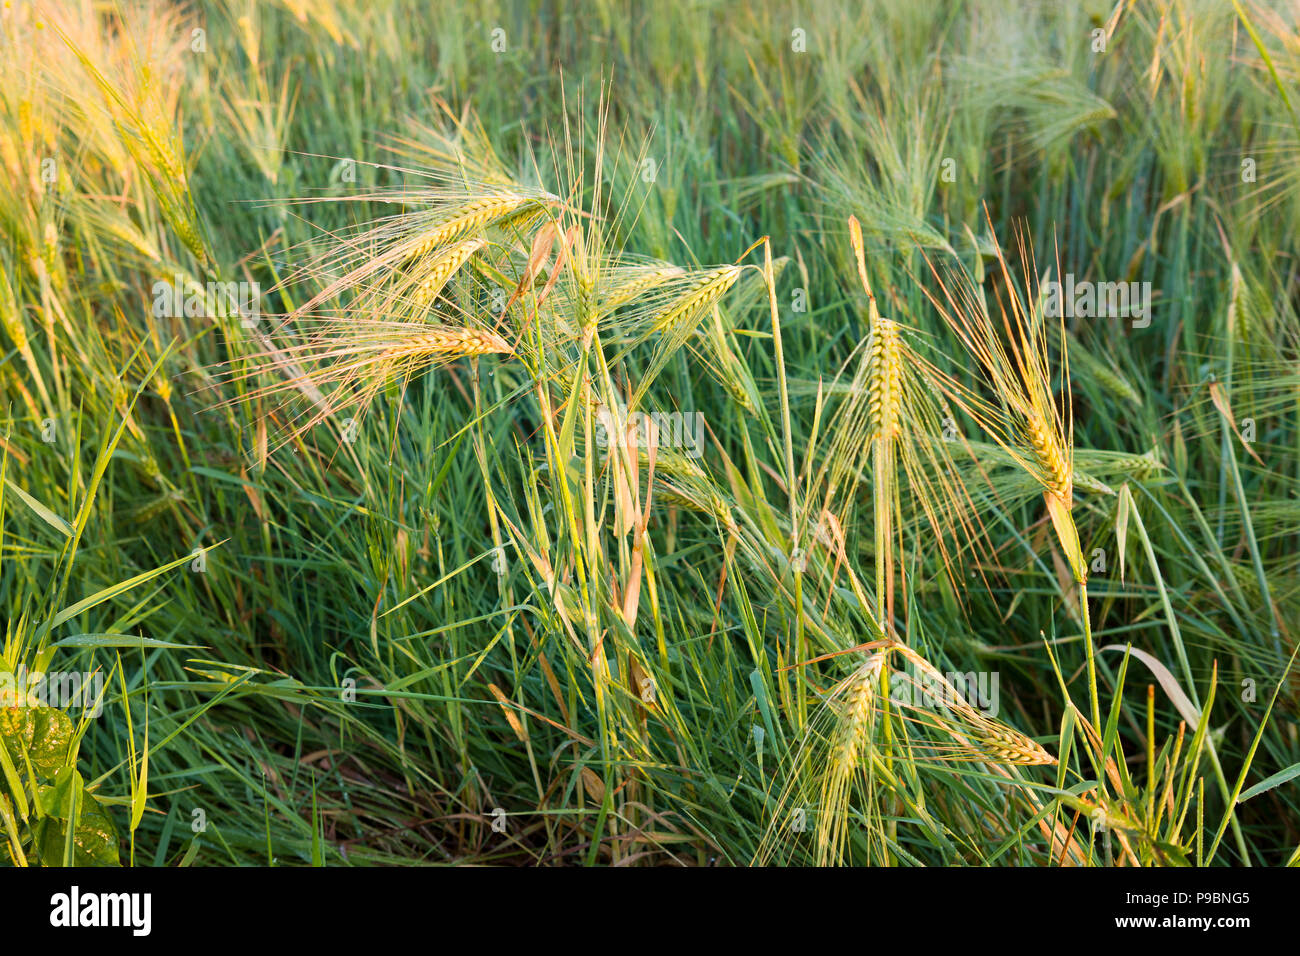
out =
column 957, row 731
column 699, row 291
column 630, row 282
column 381, row 306
column 472, row 216
column 850, row 757
column 1016, row 405
column 668, row 316
column 442, row 268
column 344, row 365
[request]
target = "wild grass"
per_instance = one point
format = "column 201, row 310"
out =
column 651, row 432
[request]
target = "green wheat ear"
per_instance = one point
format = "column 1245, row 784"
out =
column 892, row 417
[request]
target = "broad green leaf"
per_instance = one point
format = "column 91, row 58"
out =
column 93, row 842
column 43, row 733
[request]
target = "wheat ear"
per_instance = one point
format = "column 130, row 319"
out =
column 884, row 408
column 443, row 268
column 445, row 342
column 710, row 286
column 850, row 748
column 639, row 281
column 472, row 216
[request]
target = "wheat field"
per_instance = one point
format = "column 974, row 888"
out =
column 684, row 434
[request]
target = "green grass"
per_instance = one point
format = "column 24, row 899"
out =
column 452, row 630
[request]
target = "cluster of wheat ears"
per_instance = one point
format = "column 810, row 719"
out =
column 478, row 264
column 662, row 537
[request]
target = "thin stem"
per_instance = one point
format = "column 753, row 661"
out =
column 1092, row 659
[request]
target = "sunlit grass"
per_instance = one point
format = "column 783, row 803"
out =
column 623, row 455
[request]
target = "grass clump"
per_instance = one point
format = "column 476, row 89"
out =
column 678, row 457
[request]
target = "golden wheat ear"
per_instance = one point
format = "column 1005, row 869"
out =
column 1023, row 417
column 890, row 428
column 339, row 369
column 383, row 305
column 835, row 767
column 963, row 733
